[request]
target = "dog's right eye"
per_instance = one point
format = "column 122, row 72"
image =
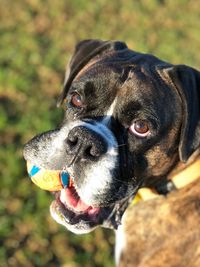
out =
column 76, row 100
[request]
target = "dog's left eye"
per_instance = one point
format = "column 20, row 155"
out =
column 76, row 100
column 140, row 128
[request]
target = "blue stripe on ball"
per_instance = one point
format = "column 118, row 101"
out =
column 64, row 179
column 34, row 170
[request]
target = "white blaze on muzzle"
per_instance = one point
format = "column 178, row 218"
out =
column 98, row 175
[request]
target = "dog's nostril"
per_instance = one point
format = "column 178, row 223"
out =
column 91, row 151
column 88, row 151
column 95, row 152
column 72, row 141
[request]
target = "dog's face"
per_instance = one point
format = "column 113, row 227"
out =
column 126, row 125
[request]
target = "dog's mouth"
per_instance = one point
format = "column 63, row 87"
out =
column 71, row 211
column 68, row 200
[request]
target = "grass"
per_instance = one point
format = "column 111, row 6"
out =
column 37, row 39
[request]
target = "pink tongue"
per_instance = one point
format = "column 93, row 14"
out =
column 69, row 197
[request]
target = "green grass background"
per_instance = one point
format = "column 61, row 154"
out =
column 36, row 40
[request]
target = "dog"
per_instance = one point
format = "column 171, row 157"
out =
column 131, row 120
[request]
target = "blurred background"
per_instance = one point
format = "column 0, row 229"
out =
column 37, row 38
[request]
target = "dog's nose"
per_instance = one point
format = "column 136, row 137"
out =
column 83, row 143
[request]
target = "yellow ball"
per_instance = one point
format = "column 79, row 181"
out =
column 51, row 180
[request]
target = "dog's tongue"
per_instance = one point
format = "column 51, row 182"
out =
column 69, row 197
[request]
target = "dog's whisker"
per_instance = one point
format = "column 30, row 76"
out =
column 122, row 182
column 121, row 145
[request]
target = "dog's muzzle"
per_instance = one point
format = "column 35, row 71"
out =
column 88, row 151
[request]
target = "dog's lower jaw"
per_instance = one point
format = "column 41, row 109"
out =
column 83, row 223
column 80, row 223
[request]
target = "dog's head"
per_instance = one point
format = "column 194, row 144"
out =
column 129, row 119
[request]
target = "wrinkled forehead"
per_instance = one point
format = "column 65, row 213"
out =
column 125, row 79
column 99, row 79
column 144, row 92
column 144, row 84
column 128, row 85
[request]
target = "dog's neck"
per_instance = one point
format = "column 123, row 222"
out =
column 180, row 177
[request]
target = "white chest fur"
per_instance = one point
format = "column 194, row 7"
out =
column 120, row 243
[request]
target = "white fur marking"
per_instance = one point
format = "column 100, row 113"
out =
column 108, row 116
column 99, row 175
column 120, row 243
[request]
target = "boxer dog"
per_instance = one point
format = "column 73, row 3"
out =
column 130, row 120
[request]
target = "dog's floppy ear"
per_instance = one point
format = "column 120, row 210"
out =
column 187, row 82
column 84, row 52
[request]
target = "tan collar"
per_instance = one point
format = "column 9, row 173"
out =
column 187, row 174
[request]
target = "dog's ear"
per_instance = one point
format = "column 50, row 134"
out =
column 83, row 53
column 187, row 82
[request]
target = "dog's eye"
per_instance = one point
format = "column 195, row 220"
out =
column 76, row 100
column 140, row 128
